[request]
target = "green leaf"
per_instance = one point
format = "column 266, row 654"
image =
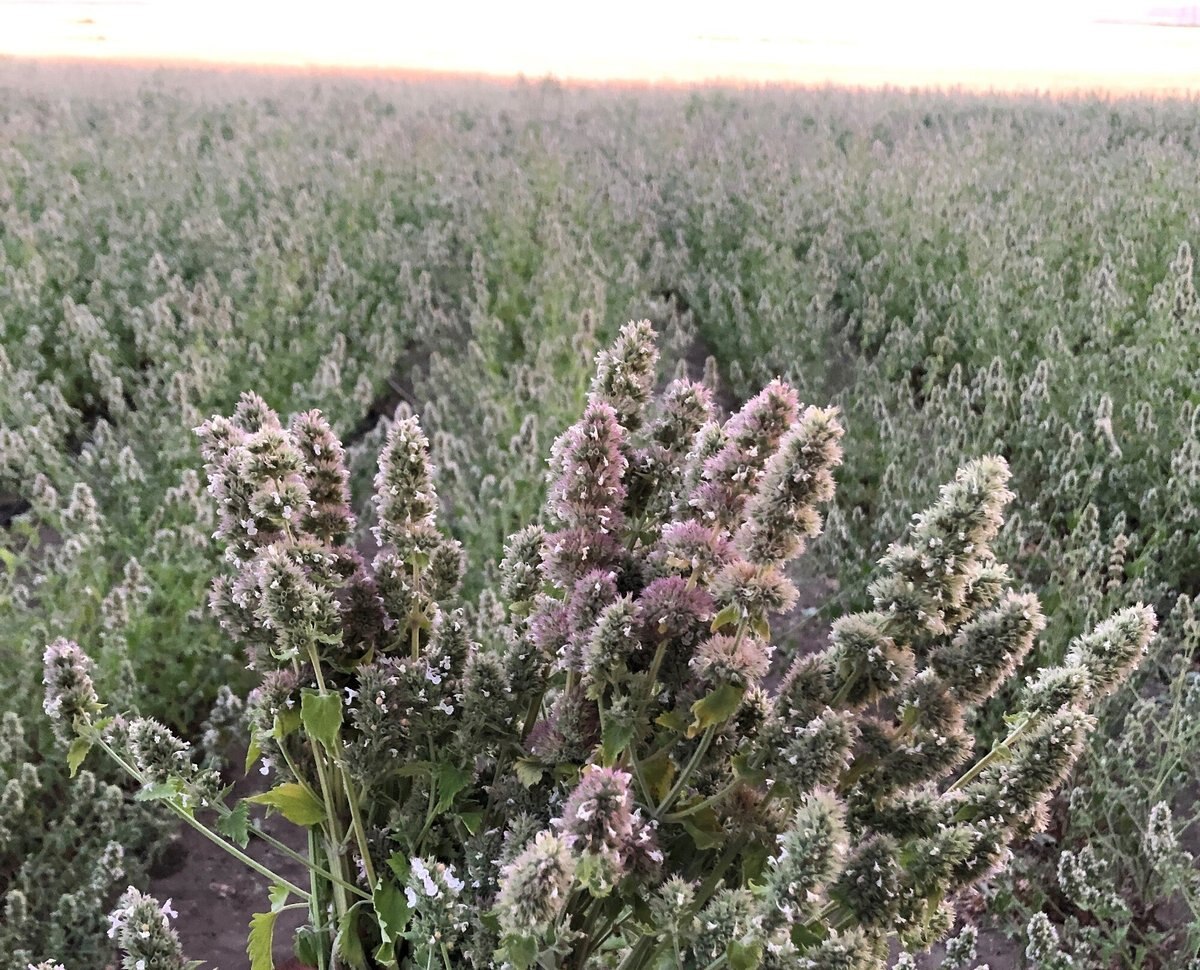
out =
column 659, row 773
column 76, row 753
column 287, row 721
column 322, row 717
column 253, row 752
column 262, row 940
column 295, row 802
column 743, row 956
column 391, row 909
column 472, row 820
column 704, row 828
column 398, row 863
column 236, row 825
column 615, row 736
column 521, row 951
column 278, row 895
column 751, row 776
column 348, row 944
column 529, row 772
column 675, row 720
column 305, row 946
column 761, row 628
column 715, row 708
column 731, row 614
column 450, row 781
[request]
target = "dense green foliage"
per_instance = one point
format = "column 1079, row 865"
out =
column 960, row 275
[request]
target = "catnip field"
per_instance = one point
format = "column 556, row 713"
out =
column 450, row 524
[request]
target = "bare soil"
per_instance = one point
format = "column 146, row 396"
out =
column 215, row 894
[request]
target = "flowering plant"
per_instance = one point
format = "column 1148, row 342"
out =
column 593, row 765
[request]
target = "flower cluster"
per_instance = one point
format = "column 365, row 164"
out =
column 610, row 733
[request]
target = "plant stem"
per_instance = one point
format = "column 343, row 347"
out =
column 203, row 829
column 314, row 903
column 684, row 775
column 998, row 751
column 700, row 806
column 335, row 840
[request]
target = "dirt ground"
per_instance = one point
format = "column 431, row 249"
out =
column 215, row 895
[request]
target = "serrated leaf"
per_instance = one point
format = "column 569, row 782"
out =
column 348, row 944
column 321, row 715
column 731, row 614
column 278, row 895
column 747, row 774
column 414, row 768
column 761, row 628
column 236, row 825
column 398, row 863
column 76, row 753
column 261, row 942
column 450, row 781
column 295, row 802
column 704, row 828
column 715, row 708
column 305, row 946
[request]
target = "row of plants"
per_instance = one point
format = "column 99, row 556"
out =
column 960, row 276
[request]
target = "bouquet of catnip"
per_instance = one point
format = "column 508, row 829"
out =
column 593, row 766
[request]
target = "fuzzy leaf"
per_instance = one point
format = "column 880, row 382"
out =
column 295, row 802
column 704, row 828
column 751, row 776
column 305, row 946
column 715, row 708
column 322, row 717
column 236, row 825
column 398, row 863
column 675, row 720
column 76, row 753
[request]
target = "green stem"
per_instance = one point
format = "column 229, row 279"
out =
column 335, row 840
column 292, row 853
column 700, row 806
column 203, row 829
column 693, row 763
column 998, row 751
column 314, row 903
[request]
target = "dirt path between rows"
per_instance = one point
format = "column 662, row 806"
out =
column 215, row 894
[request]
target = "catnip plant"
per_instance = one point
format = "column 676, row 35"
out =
column 597, row 764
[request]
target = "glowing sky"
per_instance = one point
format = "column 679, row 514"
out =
column 1019, row 43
